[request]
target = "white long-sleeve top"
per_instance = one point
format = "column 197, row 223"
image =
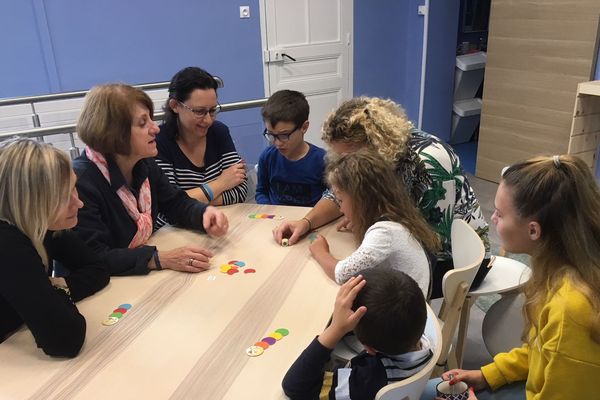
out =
column 387, row 244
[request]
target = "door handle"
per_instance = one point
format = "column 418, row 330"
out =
column 284, row 55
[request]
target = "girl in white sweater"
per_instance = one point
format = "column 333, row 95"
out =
column 390, row 229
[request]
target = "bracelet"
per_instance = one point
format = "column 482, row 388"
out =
column 208, row 191
column 309, row 223
column 156, row 260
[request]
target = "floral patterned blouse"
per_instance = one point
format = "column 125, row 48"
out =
column 437, row 183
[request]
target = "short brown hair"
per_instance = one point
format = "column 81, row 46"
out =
column 106, row 118
column 396, row 311
column 286, row 106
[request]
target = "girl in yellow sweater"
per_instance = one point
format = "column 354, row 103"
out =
column 549, row 207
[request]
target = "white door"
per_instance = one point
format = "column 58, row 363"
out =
column 307, row 46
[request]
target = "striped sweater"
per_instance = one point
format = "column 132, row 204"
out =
column 220, row 154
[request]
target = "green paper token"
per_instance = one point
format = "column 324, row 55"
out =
column 283, row 331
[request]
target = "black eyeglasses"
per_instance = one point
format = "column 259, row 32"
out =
column 201, row 112
column 282, row 137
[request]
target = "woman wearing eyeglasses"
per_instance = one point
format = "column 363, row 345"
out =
column 123, row 189
column 195, row 150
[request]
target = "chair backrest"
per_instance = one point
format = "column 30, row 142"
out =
column 467, row 254
column 411, row 388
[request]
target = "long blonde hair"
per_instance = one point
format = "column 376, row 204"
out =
column 561, row 194
column 377, row 192
column 34, row 184
column 379, row 123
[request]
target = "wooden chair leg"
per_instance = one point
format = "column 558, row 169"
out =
column 463, row 327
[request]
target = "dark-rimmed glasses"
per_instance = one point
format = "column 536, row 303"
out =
column 201, row 112
column 282, row 137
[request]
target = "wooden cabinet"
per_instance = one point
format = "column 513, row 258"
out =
column 585, row 129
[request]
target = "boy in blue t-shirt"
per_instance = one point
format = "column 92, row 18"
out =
column 290, row 172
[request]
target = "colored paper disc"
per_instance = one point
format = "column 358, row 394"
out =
column 264, row 345
column 276, row 335
column 283, row 331
column 271, row 341
column 254, row 351
column 249, row 271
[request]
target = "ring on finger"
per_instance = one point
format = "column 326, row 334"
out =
column 191, row 261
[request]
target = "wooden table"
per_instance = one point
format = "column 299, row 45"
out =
column 185, row 336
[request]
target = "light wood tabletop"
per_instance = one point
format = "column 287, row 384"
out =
column 186, row 335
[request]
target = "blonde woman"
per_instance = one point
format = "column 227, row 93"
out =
column 38, row 206
column 549, row 207
column 124, row 190
column 428, row 168
column 386, row 224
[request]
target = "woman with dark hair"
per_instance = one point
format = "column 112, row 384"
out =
column 124, row 190
column 195, row 150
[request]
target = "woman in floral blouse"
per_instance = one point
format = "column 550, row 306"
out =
column 429, row 168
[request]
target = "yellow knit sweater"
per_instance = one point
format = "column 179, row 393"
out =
column 563, row 362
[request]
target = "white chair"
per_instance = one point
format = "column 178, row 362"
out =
column 252, row 175
column 412, row 388
column 503, row 322
column 467, row 254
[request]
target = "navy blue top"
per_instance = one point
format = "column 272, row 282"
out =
column 360, row 380
column 220, row 154
column 28, row 297
column 292, row 183
column 104, row 222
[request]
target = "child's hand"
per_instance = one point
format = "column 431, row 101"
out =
column 344, row 318
column 472, row 378
column 345, row 225
column 319, row 246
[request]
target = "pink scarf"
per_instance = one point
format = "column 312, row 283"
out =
column 139, row 210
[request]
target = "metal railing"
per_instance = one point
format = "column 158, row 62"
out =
column 70, row 129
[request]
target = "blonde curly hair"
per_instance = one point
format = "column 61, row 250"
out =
column 380, row 123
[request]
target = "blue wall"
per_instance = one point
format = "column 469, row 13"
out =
column 61, row 45
column 65, row 45
column 388, row 39
column 441, row 61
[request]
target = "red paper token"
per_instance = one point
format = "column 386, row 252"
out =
column 232, row 271
column 264, row 345
column 121, row 310
column 249, row 271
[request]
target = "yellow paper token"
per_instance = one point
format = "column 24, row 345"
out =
column 224, row 268
column 254, row 351
column 110, row 321
column 275, row 335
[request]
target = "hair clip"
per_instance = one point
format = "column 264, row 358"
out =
column 504, row 171
column 556, row 160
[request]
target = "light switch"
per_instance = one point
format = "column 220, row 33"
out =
column 244, row 11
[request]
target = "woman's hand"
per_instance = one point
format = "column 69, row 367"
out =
column 233, row 175
column 293, row 230
column 474, row 378
column 215, row 222
column 186, row 259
